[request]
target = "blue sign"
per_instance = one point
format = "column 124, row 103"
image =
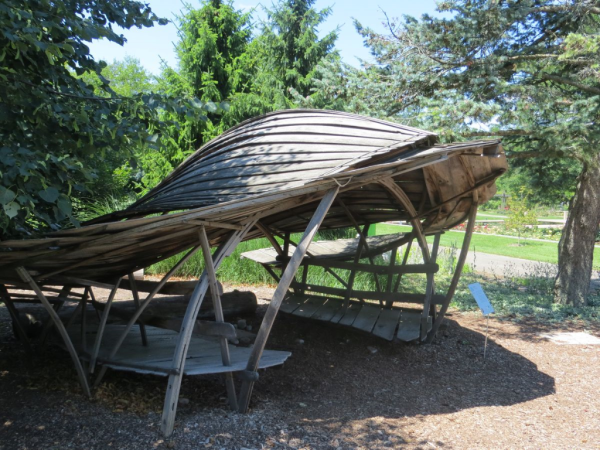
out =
column 481, row 299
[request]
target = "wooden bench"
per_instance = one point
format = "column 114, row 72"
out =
column 384, row 312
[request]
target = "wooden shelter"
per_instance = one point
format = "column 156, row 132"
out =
column 271, row 176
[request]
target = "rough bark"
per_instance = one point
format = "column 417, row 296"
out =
column 576, row 246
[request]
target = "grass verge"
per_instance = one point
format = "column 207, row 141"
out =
column 496, row 245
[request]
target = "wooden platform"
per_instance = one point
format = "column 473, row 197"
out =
column 204, row 354
column 340, row 249
column 401, row 324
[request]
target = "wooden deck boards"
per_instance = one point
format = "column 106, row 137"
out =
column 396, row 323
column 204, row 355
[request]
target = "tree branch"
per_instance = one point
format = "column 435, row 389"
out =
column 563, row 8
column 562, row 80
column 498, row 133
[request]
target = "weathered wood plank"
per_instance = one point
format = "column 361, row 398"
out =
column 387, row 323
column 367, row 317
column 291, row 303
column 328, row 310
column 309, row 307
column 347, row 316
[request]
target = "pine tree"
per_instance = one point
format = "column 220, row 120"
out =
column 530, row 69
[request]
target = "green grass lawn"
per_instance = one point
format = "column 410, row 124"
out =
column 495, row 245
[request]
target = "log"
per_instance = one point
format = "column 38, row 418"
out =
column 168, row 308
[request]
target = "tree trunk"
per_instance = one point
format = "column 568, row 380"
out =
column 576, row 246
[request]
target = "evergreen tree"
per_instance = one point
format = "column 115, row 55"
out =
column 288, row 51
column 530, row 69
column 213, row 40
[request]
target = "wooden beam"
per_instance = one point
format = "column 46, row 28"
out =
column 457, row 272
column 401, row 197
column 59, row 326
column 429, row 289
column 14, row 314
column 141, row 309
column 378, row 269
column 100, row 332
column 399, row 297
column 136, row 302
column 286, row 279
column 187, row 327
column 216, row 299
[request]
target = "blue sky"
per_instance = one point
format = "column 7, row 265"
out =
column 151, row 45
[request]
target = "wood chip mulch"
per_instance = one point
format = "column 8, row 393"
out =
column 339, row 390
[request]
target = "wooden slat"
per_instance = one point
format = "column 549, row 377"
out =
column 309, row 307
column 367, row 317
column 409, row 327
column 387, row 323
column 291, row 303
column 328, row 310
column 347, row 316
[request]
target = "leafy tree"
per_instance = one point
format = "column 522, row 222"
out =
column 55, row 131
column 530, row 69
column 519, row 215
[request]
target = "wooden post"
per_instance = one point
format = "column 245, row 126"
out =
column 359, row 247
column 403, row 199
column 14, row 314
column 59, row 326
column 282, row 287
column 459, row 266
column 390, row 276
column 429, row 290
column 187, row 326
column 219, row 317
column 100, row 332
column 136, row 302
column 404, row 261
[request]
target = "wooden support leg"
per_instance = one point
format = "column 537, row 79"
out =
column 59, row 326
column 102, row 325
column 429, row 290
column 282, row 287
column 136, row 302
column 14, row 315
column 404, row 261
column 459, row 266
column 141, row 309
column 64, row 292
column 187, row 326
column 390, row 277
column 219, row 317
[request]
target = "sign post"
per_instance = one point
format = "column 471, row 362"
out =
column 485, row 306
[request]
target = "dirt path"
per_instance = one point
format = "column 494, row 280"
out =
column 340, row 389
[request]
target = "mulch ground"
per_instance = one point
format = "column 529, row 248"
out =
column 340, row 389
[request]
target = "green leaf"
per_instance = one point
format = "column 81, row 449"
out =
column 64, row 205
column 49, row 194
column 6, row 195
column 12, row 209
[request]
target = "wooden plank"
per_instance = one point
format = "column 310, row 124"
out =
column 410, row 326
column 309, row 307
column 387, row 323
column 291, row 303
column 328, row 310
column 367, row 317
column 347, row 316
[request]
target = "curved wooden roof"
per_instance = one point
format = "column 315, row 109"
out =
column 275, row 167
column 278, row 151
